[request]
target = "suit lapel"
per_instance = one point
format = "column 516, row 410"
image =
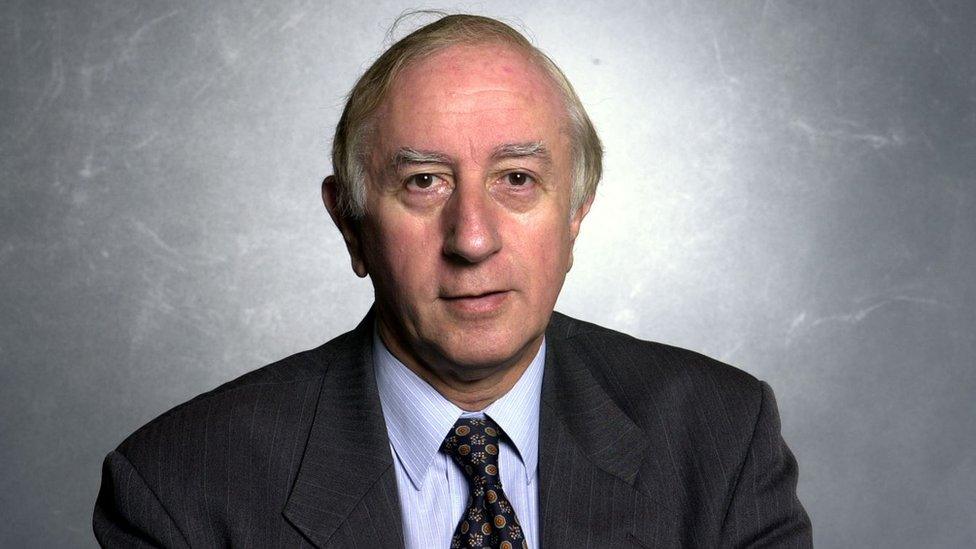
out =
column 590, row 452
column 345, row 492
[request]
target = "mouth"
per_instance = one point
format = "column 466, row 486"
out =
column 477, row 304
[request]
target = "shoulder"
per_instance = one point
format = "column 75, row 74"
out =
column 651, row 380
column 222, row 464
column 277, row 400
column 713, row 452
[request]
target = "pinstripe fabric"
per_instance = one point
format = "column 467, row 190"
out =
column 640, row 445
column 433, row 489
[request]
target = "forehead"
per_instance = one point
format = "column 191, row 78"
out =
column 474, row 96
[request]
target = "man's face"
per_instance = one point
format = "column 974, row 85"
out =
column 468, row 233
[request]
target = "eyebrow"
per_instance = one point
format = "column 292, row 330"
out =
column 533, row 149
column 407, row 156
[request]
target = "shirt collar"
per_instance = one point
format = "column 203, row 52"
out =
column 418, row 417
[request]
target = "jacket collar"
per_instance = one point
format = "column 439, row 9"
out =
column 603, row 433
column 591, row 452
column 346, row 479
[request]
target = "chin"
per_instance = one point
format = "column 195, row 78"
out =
column 485, row 350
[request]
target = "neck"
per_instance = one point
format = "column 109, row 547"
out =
column 471, row 388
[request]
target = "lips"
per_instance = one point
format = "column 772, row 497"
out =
column 471, row 295
column 477, row 304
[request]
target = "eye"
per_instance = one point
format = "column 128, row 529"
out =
column 422, row 180
column 518, row 179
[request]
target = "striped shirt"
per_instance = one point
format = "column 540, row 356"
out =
column 432, row 488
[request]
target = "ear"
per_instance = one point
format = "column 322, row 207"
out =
column 346, row 225
column 575, row 222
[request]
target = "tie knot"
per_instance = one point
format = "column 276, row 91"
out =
column 473, row 444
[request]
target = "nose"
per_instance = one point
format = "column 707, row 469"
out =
column 471, row 227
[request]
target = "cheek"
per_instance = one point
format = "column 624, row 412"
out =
column 401, row 253
column 547, row 256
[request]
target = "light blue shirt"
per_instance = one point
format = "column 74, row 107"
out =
column 432, row 488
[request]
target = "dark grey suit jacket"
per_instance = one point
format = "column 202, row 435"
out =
column 641, row 445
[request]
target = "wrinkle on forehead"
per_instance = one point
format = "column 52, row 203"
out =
column 470, row 92
column 461, row 100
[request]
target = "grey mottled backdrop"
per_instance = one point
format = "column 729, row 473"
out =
column 789, row 187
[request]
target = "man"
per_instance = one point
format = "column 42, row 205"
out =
column 463, row 412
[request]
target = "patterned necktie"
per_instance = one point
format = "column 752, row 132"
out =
column 489, row 521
